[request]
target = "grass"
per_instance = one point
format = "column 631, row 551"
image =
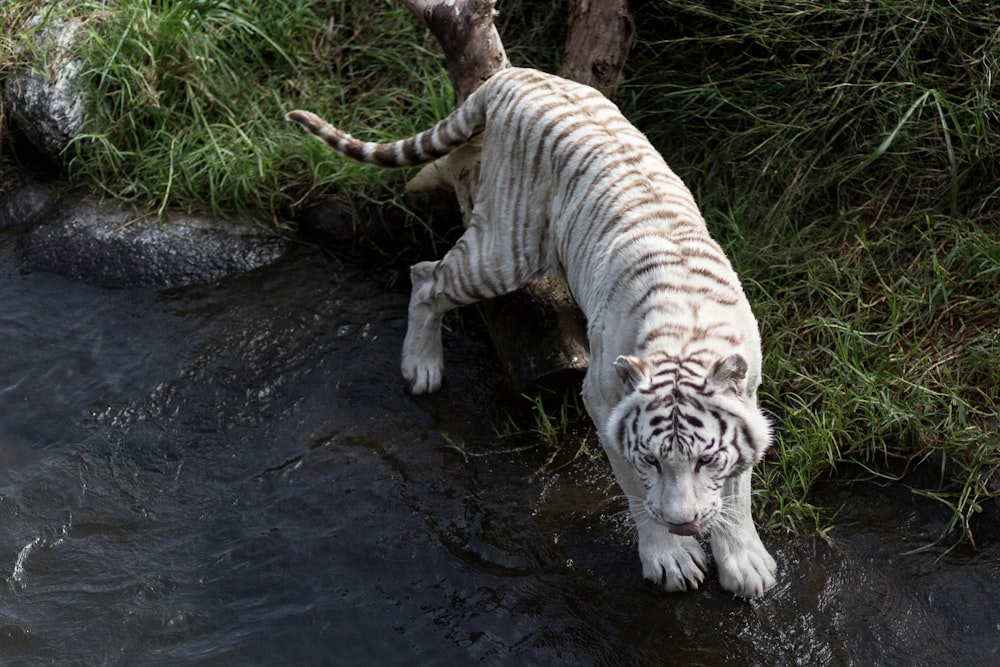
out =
column 14, row 33
column 846, row 156
column 187, row 98
column 554, row 424
column 844, row 153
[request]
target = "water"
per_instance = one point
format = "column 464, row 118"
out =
column 233, row 475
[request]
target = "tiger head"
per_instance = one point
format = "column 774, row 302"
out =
column 686, row 430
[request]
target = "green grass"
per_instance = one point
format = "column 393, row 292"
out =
column 13, row 35
column 553, row 423
column 187, row 98
column 845, row 153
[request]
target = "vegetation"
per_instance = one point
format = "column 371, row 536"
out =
column 13, row 17
column 846, row 154
column 187, row 97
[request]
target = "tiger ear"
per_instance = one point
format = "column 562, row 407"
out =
column 729, row 372
column 631, row 370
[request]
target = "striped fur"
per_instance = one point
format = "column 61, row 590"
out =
column 567, row 186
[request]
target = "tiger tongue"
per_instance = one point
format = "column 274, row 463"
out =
column 689, row 528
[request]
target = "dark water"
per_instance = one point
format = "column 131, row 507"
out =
column 232, row 475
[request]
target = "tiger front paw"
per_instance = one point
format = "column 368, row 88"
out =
column 746, row 569
column 674, row 563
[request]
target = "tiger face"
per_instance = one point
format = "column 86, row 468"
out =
column 686, row 430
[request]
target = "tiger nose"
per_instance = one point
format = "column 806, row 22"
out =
column 689, row 528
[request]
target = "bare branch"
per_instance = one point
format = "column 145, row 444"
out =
column 472, row 47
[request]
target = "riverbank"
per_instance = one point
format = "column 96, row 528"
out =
column 111, row 244
column 844, row 156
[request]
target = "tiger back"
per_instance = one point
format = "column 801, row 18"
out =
column 568, row 187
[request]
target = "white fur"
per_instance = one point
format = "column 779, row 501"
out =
column 566, row 186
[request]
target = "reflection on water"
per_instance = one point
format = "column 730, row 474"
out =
column 233, row 474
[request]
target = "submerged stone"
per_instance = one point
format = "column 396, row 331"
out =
column 111, row 245
column 25, row 203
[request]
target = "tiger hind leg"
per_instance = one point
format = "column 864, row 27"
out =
column 423, row 358
column 461, row 277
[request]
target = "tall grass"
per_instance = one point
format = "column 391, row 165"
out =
column 187, row 97
column 847, row 153
column 14, row 17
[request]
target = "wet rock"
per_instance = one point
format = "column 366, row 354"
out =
column 25, row 204
column 335, row 225
column 540, row 337
column 116, row 246
column 378, row 234
column 46, row 101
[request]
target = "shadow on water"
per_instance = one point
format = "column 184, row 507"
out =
column 233, row 475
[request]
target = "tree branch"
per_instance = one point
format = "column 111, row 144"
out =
column 472, row 47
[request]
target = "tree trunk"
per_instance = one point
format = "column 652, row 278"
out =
column 473, row 51
column 599, row 36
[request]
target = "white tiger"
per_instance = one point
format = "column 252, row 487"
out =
column 567, row 186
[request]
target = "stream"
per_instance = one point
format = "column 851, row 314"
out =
column 233, row 475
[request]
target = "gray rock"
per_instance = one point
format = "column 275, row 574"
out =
column 26, row 203
column 104, row 244
column 47, row 102
column 114, row 246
